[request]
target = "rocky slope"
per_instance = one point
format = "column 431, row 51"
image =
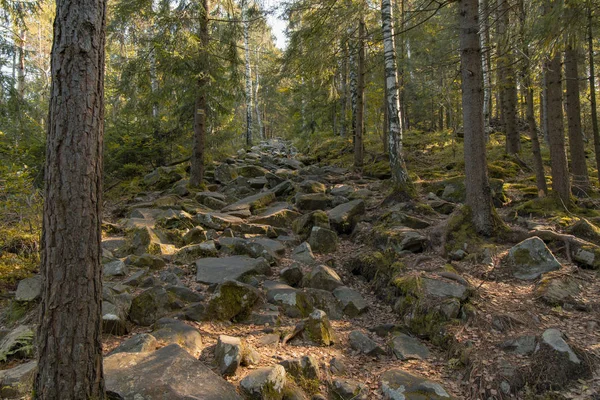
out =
column 283, row 280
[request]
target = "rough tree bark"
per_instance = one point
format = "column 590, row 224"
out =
column 360, row 96
column 581, row 183
column 556, row 136
column 344, row 91
column 508, row 87
column 403, row 185
column 592, row 78
column 21, row 64
column 479, row 195
column 69, row 333
column 197, row 168
column 484, row 37
column 248, row 73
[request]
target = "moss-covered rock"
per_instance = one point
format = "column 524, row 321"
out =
column 302, row 226
column 317, row 329
column 530, row 259
column 161, row 178
column 586, row 230
column 232, row 300
column 588, row 256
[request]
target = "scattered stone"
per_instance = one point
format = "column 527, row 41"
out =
column 135, row 376
column 325, row 300
column 225, row 173
column 278, row 216
column 228, row 354
column 252, row 203
column 398, row 384
column 310, row 186
column 218, row 221
column 115, row 268
column 293, row 301
column 270, row 339
column 151, row 305
column 232, row 300
column 252, row 171
column 283, row 188
column 265, row 383
column 140, row 343
column 530, row 259
column 337, row 366
column 556, row 291
column 342, row 190
column 161, row 178
column 586, row 230
column 29, row 289
column 303, row 225
column 323, row 277
column 145, row 261
column 344, row 217
column 364, row 344
column 306, row 367
column 313, row 201
column 218, row 270
column 317, row 329
column 267, row 318
column 191, row 252
column 195, row 235
column 115, row 310
column 401, row 240
column 588, row 256
column 352, row 301
column 323, row 240
column 407, row 347
column 292, row 275
column 347, row 389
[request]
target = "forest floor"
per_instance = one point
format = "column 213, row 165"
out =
column 390, row 256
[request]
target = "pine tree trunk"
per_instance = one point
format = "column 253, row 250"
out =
column 508, row 85
column 197, row 167
column 479, row 195
column 261, row 128
column 344, row 92
column 556, row 136
column 70, row 327
column 595, row 130
column 403, row 185
column 360, row 99
column 581, row 183
column 248, row 74
column 21, row 64
column 484, row 35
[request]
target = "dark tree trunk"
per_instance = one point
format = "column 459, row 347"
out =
column 581, row 183
column 595, row 129
column 360, row 101
column 69, row 334
column 344, row 91
column 197, row 169
column 556, row 135
column 508, row 88
column 479, row 195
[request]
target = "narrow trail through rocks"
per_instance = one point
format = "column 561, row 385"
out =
column 285, row 280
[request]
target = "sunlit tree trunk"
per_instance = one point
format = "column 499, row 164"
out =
column 248, row 73
column 484, row 35
column 479, row 196
column 403, row 185
column 200, row 111
column 21, row 64
column 344, row 91
column 69, row 337
column 261, row 128
column 360, row 96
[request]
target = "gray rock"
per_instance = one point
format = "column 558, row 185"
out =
column 323, row 240
column 398, row 384
column 588, row 256
column 145, row 261
column 228, row 354
column 184, row 293
column 218, row 270
column 195, row 235
column 225, row 173
column 161, row 178
column 279, row 216
column 283, row 188
column 303, row 225
column 115, row 268
column 554, row 339
column 342, row 190
column 292, row 275
column 252, row 171
column 337, row 366
column 530, row 259
column 29, row 289
column 266, row 317
column 444, row 289
column 323, row 277
column 232, row 300
column 218, row 221
column 317, row 329
column 407, row 347
column 294, row 302
column 252, row 203
column 173, row 331
column 313, row 201
column 352, row 301
column 135, row 376
column 364, row 344
column 348, row 389
column 343, row 218
column 558, row 291
column 265, row 383
column 151, row 305
column 310, row 186
column 192, row 252
column 306, row 367
column 402, row 239
column 17, row 382
column 521, row 345
column 18, row 343
column 303, row 253
column 140, row 343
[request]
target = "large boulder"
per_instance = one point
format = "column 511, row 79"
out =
column 530, row 259
column 168, row 373
column 399, row 384
column 343, row 218
column 232, row 300
column 219, row 270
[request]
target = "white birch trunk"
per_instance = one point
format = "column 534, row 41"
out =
column 248, row 74
column 398, row 168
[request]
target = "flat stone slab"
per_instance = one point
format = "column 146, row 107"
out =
column 218, row 270
column 530, row 259
column 168, row 373
column 407, row 347
column 398, row 384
